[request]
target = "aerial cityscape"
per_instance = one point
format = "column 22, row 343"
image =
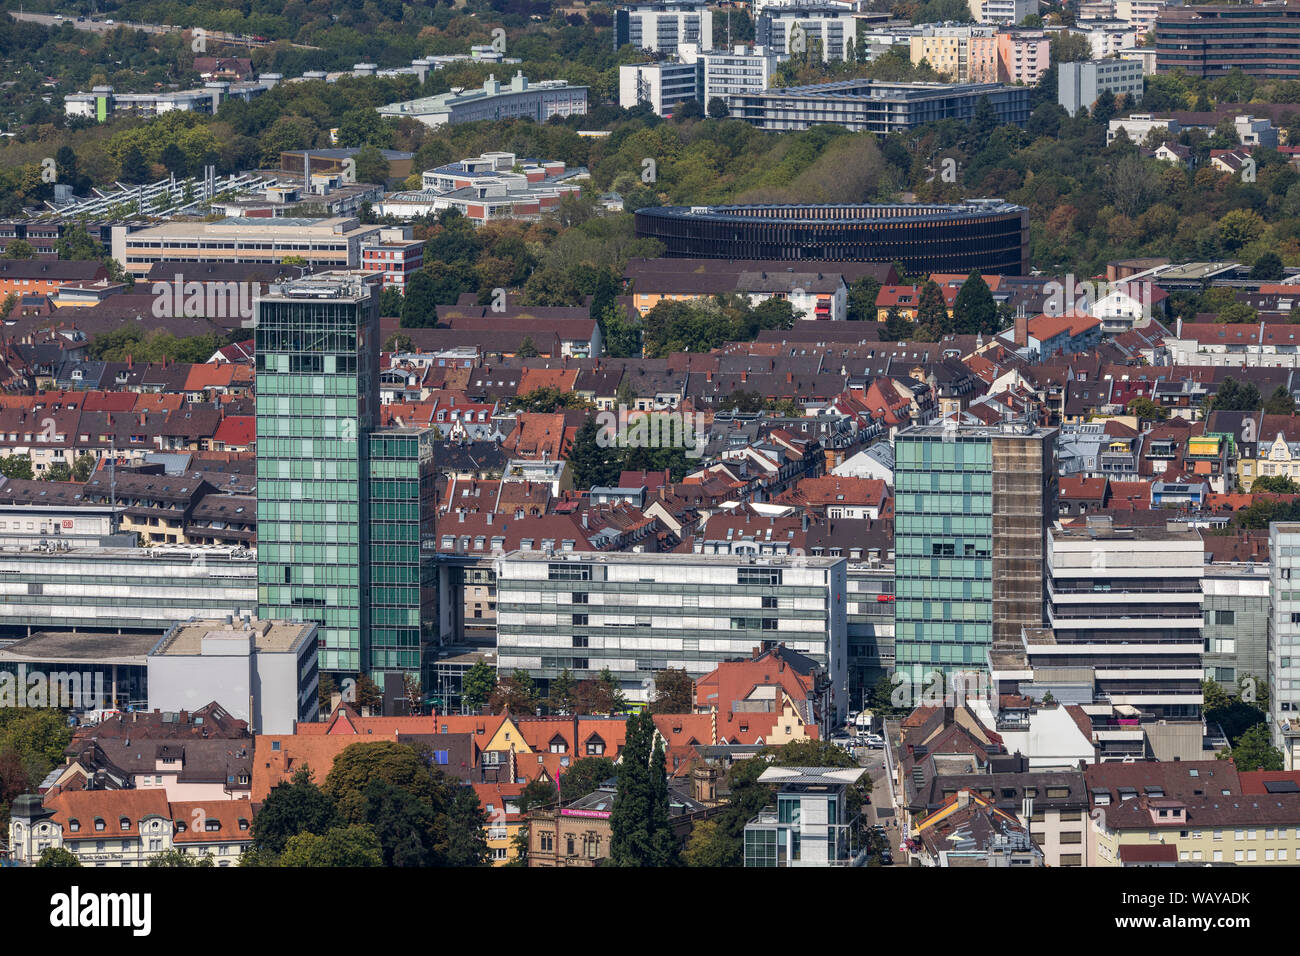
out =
column 765, row 433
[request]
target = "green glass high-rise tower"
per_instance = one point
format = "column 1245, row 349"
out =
column 403, row 584
column 317, row 346
column 971, row 509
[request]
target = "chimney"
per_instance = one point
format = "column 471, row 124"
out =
column 1021, row 330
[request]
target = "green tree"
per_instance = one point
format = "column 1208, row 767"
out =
column 1278, row 484
column 19, row 249
column 931, row 310
column 135, row 170
column 478, row 684
column 718, row 108
column 1147, row 410
column 561, row 698
column 526, row 348
column 420, row 305
column 398, row 765
column 403, row 824
column 1254, row 750
column 974, row 310
column 58, row 856
column 709, row 845
column 1232, row 396
column 516, row 694
column 1267, row 267
column 1280, row 402
column 674, row 692
column 290, row 809
column 466, row 838
column 175, row 858
column 83, row 467
column 640, row 833
column 371, row 165
column 862, row 300
column 353, row 845
column 57, row 471
column 16, row 466
column 591, row 462
column 585, row 776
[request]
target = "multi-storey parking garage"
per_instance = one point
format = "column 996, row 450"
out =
column 989, row 235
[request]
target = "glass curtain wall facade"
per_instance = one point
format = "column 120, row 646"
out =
column 970, row 518
column 317, row 398
column 403, row 583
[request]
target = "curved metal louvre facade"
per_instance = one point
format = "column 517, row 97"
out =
column 923, row 238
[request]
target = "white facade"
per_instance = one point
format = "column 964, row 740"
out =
column 640, row 613
column 1284, row 641
column 1081, row 84
column 661, row 28
column 784, row 31
column 1138, row 127
column 1002, row 11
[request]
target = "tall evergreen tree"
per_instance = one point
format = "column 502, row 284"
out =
column 932, row 310
column 974, row 310
column 592, row 463
column 639, row 823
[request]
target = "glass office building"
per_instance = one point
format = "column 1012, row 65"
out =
column 972, row 505
column 317, row 398
column 403, row 584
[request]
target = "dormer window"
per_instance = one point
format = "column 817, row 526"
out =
column 125, row 823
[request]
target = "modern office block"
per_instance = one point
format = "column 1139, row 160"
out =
column 972, row 505
column 662, row 27
column 1127, row 603
column 317, row 400
column 1284, row 640
column 1260, row 39
column 517, row 99
column 1235, row 631
column 827, row 33
column 265, row 672
column 663, row 86
column 810, row 824
column 1080, row 84
column 122, row 590
column 876, row 106
column 403, row 575
column 640, row 613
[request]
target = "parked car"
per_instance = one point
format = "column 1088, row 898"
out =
column 875, row 741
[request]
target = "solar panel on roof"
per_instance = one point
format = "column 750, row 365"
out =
column 1281, row 786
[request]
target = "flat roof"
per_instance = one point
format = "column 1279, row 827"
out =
column 273, row 637
column 1138, row 533
column 73, row 647
column 619, row 557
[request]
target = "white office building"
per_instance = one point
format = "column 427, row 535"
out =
column 641, row 613
column 663, row 27
column 794, row 31
column 1081, row 84
column 1284, row 640
column 1011, row 12
column 265, row 671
